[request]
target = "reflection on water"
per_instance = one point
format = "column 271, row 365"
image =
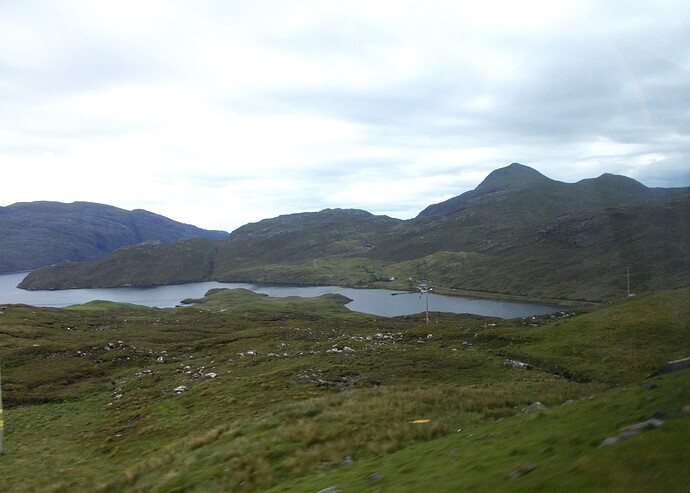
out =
column 374, row 301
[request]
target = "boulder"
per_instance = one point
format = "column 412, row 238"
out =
column 181, row 389
column 537, row 406
column 679, row 364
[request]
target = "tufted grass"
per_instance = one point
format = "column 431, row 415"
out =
column 274, row 402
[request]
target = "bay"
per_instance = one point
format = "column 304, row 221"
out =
column 383, row 302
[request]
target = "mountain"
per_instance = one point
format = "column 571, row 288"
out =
column 34, row 234
column 527, row 188
column 519, row 233
column 498, row 184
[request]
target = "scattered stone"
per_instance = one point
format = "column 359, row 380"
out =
column 211, row 375
column 659, row 415
column 282, row 346
column 537, row 406
column 348, row 349
column 330, row 489
column 648, row 424
column 160, row 360
column 375, row 476
column 632, row 430
column 251, row 352
column 522, row 469
column 513, row 363
column 679, row 364
column 607, row 442
column 649, row 386
column 429, row 337
column 348, row 461
column 181, row 389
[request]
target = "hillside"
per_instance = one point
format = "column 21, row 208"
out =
column 34, row 234
column 242, row 392
column 518, row 233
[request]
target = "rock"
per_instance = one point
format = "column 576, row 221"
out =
column 607, row 442
column 160, row 360
column 522, row 469
column 429, row 337
column 211, row 375
column 347, row 461
column 375, row 476
column 330, row 489
column 659, row 415
column 348, row 349
column 537, row 406
column 512, row 363
column 181, row 389
column 679, row 364
column 649, row 424
column 649, row 386
column 632, row 430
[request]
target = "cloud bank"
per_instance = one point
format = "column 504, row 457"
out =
column 222, row 113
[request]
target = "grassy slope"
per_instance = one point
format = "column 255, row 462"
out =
column 106, row 419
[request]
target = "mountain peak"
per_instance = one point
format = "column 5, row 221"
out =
column 513, row 176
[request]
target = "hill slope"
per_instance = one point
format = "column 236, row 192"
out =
column 242, row 392
column 518, row 233
column 35, row 234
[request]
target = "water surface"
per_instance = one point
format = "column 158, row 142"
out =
column 382, row 302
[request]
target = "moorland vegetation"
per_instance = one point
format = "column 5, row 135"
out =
column 242, row 392
column 238, row 391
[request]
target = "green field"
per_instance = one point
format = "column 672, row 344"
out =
column 291, row 394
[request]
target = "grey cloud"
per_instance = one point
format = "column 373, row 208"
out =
column 616, row 73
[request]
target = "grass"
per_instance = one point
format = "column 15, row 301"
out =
column 288, row 394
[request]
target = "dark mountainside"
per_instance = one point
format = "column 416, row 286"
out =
column 35, row 234
column 518, row 233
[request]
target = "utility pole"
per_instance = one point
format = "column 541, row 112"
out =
column 627, row 267
column 424, row 289
column 426, row 284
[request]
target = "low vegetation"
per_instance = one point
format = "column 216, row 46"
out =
column 242, row 392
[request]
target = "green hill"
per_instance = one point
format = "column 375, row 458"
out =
column 242, row 392
column 35, row 234
column 518, row 233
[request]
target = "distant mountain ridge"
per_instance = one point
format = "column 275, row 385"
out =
column 519, row 233
column 35, row 234
column 606, row 190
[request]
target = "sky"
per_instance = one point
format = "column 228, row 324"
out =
column 220, row 113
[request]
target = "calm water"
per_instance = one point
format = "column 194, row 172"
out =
column 374, row 301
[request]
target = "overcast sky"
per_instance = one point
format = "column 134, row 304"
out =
column 220, row 113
